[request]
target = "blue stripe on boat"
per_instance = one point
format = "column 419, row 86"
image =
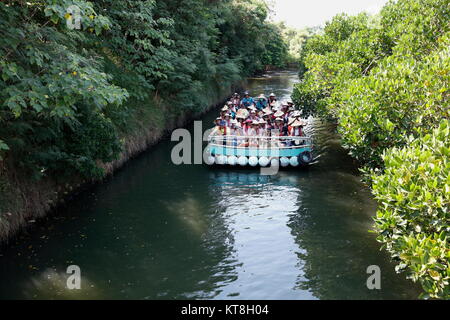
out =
column 231, row 151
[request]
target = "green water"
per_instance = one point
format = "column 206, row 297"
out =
column 159, row 231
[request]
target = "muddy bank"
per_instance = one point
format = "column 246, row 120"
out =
column 24, row 201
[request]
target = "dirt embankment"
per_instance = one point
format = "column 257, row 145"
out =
column 23, row 200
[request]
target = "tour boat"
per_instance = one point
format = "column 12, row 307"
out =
column 259, row 151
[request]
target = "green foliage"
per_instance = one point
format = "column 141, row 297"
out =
column 276, row 53
column 346, row 50
column 413, row 218
column 50, row 73
column 68, row 96
column 400, row 97
column 137, row 40
column 295, row 40
column 385, row 80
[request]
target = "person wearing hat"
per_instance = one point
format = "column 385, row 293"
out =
column 278, row 125
column 290, row 111
column 275, row 131
column 272, row 99
column 240, row 119
column 227, row 118
column 239, row 131
column 294, row 116
column 245, row 132
column 217, row 121
column 247, row 126
column 296, row 128
column 247, row 101
column 253, row 132
column 286, row 114
column 267, row 116
column 220, row 129
column 223, row 111
column 234, row 131
column 267, row 109
column 244, row 113
column 232, row 109
column 236, row 101
column 263, row 132
column 262, row 124
column 290, row 104
column 278, row 114
column 261, row 103
column 281, row 126
column 253, row 115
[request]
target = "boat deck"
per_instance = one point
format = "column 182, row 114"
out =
column 256, row 150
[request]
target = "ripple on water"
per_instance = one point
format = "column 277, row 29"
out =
column 165, row 232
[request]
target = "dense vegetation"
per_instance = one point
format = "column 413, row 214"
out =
column 69, row 96
column 385, row 80
column 295, row 39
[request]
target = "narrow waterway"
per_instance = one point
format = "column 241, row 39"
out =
column 159, row 231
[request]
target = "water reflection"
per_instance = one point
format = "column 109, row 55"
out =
column 159, row 231
column 140, row 235
column 257, row 209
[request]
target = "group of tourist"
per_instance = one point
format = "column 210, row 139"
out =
column 258, row 119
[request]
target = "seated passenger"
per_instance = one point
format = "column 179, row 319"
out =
column 261, row 103
column 267, row 117
column 231, row 109
column 247, row 126
column 279, row 114
column 247, row 101
column 227, row 119
column 262, row 132
column 253, row 115
column 279, row 130
column 236, row 101
column 241, row 120
column 219, row 130
column 290, row 104
column 290, row 112
column 296, row 130
column 273, row 101
column 234, row 133
column 216, row 128
column 223, row 111
column 247, row 131
column 252, row 133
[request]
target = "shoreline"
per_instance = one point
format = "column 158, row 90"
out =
column 32, row 201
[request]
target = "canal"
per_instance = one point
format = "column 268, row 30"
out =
column 155, row 230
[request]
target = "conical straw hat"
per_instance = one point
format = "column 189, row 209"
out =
column 279, row 114
column 297, row 123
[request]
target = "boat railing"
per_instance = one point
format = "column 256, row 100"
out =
column 279, row 142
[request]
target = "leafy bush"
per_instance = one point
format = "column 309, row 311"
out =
column 400, row 97
column 413, row 220
column 67, row 97
column 385, row 80
column 346, row 50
